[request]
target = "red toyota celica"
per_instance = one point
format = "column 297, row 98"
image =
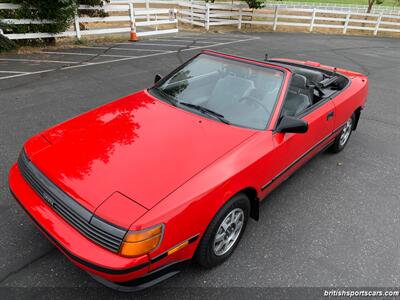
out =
column 132, row 190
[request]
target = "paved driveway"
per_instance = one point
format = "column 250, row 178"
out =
column 334, row 223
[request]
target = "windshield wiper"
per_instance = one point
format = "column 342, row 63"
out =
column 206, row 111
column 166, row 96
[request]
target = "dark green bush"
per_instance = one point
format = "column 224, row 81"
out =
column 62, row 12
column 92, row 12
column 254, row 4
column 6, row 44
column 92, row 2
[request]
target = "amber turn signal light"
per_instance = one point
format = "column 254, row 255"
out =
column 179, row 247
column 137, row 243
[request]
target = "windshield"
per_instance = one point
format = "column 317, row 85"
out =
column 231, row 91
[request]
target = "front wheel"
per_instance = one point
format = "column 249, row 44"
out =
column 224, row 232
column 344, row 136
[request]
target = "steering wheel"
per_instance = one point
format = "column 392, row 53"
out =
column 255, row 100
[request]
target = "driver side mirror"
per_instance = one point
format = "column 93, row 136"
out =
column 157, row 78
column 292, row 125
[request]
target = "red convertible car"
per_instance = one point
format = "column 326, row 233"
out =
column 132, row 190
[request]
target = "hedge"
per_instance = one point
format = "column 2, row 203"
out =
column 62, row 12
column 6, row 44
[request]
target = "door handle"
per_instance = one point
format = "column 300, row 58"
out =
column 329, row 115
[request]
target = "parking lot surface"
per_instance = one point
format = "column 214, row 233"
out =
column 335, row 222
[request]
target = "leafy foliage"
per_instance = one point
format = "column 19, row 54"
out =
column 254, row 4
column 93, row 12
column 371, row 3
column 91, row 2
column 6, row 44
column 60, row 12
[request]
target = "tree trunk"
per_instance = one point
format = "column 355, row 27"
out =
column 370, row 4
column 369, row 9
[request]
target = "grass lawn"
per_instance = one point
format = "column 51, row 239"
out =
column 358, row 2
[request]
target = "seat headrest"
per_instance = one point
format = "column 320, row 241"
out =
column 299, row 81
column 312, row 75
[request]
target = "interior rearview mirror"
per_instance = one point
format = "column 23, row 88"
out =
column 157, row 78
column 292, row 124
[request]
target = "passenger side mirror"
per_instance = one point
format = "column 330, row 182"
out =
column 157, row 78
column 292, row 124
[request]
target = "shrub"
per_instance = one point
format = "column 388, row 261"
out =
column 6, row 44
column 254, row 4
column 61, row 12
column 92, row 12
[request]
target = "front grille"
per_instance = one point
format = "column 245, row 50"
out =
column 94, row 228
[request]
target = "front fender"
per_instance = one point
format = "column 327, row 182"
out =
column 188, row 210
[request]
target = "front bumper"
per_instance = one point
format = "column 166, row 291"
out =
column 145, row 281
column 80, row 250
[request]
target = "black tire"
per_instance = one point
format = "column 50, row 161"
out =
column 338, row 144
column 205, row 254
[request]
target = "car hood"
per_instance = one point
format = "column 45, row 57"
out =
column 138, row 146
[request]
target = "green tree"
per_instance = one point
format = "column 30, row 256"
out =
column 254, row 4
column 6, row 44
column 61, row 12
column 371, row 4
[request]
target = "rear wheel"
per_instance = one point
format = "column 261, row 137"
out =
column 224, row 232
column 344, row 136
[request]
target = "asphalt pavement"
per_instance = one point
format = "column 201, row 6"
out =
column 334, row 223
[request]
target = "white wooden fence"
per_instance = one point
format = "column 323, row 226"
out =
column 137, row 15
column 208, row 14
column 394, row 9
column 144, row 20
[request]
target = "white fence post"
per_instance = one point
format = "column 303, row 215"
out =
column 76, row 25
column 191, row 12
column 240, row 18
column 346, row 23
column 132, row 16
column 147, row 8
column 175, row 17
column 312, row 19
column 156, row 24
column 132, row 22
column 275, row 18
column 207, row 15
column 378, row 23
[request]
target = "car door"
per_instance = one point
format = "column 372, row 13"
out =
column 291, row 150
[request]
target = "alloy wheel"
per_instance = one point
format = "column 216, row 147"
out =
column 228, row 232
column 346, row 131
